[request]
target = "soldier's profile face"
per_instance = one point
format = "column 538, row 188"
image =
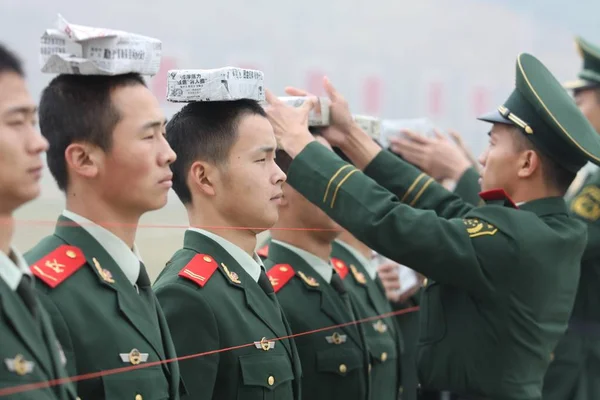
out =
column 249, row 186
column 500, row 161
column 135, row 171
column 588, row 101
column 21, row 144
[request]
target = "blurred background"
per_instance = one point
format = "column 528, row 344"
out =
column 447, row 60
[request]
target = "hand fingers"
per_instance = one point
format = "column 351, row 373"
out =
column 415, row 137
column 456, row 137
column 330, row 90
column 292, row 91
column 438, row 135
column 391, row 286
column 271, row 98
column 387, row 267
column 390, row 277
column 309, row 104
column 409, row 146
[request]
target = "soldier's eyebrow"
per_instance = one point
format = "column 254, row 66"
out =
column 21, row 110
column 154, row 124
column 265, row 149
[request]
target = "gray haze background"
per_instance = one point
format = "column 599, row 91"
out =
column 447, row 60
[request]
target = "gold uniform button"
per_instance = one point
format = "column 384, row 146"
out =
column 138, row 397
column 551, row 356
column 384, row 356
column 271, row 380
column 71, row 254
column 370, row 368
column 343, row 368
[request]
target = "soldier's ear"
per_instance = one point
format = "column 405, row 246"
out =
column 529, row 163
column 202, row 177
column 84, row 159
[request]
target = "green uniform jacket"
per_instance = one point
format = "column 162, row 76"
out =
column 224, row 314
column 31, row 344
column 502, row 281
column 575, row 372
column 383, row 337
column 331, row 371
column 97, row 321
column 468, row 187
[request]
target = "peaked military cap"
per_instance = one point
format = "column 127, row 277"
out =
column 548, row 116
column 589, row 76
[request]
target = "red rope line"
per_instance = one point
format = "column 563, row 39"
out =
column 40, row 385
column 34, row 222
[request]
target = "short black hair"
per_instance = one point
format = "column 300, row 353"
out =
column 9, row 62
column 554, row 174
column 79, row 108
column 205, row 131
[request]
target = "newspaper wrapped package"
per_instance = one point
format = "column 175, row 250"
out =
column 81, row 50
column 319, row 115
column 371, row 125
column 221, row 84
column 393, row 128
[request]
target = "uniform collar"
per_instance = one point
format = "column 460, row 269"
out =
column 252, row 265
column 546, row 206
column 12, row 268
column 322, row 267
column 127, row 259
column 366, row 264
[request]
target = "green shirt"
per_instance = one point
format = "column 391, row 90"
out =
column 213, row 303
column 382, row 335
column 30, row 351
column 333, row 369
column 502, row 280
column 101, row 319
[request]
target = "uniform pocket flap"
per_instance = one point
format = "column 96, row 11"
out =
column 149, row 383
column 268, row 371
column 339, row 361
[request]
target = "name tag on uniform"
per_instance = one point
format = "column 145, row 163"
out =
column 134, row 357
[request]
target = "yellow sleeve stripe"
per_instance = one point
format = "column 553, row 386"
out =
column 340, row 185
column 412, row 203
column 339, row 171
column 412, row 187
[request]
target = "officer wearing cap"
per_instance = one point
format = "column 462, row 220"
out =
column 502, row 277
column 574, row 374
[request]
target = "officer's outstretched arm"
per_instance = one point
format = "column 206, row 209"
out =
column 194, row 330
column 414, row 187
column 441, row 249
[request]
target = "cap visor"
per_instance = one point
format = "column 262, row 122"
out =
column 495, row 117
column 580, row 84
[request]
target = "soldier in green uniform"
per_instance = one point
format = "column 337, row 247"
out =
column 311, row 289
column 502, row 277
column 574, row 374
column 214, row 291
column 108, row 154
column 30, row 352
column 367, row 288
